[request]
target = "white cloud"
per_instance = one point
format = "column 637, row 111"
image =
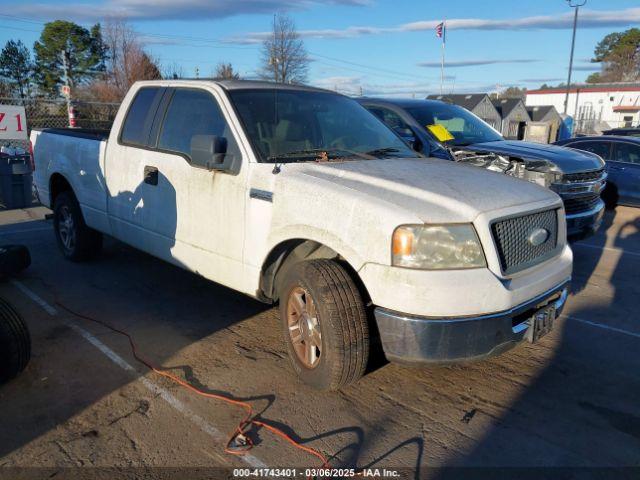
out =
column 587, row 19
column 166, row 9
column 475, row 63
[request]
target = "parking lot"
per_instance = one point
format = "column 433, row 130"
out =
column 573, row 400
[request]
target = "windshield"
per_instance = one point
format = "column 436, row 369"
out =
column 463, row 125
column 297, row 125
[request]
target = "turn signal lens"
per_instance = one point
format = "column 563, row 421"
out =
column 403, row 239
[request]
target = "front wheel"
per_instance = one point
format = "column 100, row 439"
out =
column 324, row 324
column 76, row 240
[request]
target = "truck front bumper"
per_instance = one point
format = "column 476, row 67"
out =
column 584, row 224
column 418, row 340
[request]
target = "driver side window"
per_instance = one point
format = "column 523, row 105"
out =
column 193, row 112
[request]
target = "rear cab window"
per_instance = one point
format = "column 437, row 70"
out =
column 137, row 124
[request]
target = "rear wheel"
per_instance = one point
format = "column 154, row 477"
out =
column 77, row 241
column 15, row 342
column 324, row 324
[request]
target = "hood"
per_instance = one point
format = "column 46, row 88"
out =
column 436, row 191
column 543, row 157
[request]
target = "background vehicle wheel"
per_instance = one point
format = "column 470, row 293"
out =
column 15, row 342
column 610, row 196
column 324, row 324
column 13, row 259
column 77, row 241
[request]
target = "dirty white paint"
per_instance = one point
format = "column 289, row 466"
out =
column 197, row 420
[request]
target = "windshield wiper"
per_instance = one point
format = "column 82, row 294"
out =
column 318, row 154
column 382, row 152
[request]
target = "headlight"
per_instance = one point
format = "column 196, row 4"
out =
column 437, row 247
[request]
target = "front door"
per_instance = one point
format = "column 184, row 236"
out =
column 190, row 216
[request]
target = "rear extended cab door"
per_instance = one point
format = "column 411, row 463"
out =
column 163, row 204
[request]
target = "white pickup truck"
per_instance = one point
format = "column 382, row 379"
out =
column 300, row 196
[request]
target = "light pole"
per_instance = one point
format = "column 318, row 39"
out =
column 576, row 5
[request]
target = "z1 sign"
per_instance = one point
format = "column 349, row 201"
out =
column 13, row 123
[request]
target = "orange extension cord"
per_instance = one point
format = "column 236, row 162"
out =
column 239, row 435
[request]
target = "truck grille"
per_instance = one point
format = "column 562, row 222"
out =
column 580, row 204
column 583, row 176
column 512, row 236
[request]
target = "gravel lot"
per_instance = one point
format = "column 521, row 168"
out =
column 573, row 400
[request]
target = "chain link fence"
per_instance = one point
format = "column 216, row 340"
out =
column 46, row 113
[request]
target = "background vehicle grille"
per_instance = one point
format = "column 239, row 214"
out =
column 582, row 176
column 512, row 237
column 580, row 204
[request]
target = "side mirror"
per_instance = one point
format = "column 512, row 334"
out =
column 208, row 151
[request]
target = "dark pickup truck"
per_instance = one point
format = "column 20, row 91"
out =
column 578, row 177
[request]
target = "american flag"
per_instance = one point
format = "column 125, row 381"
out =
column 440, row 30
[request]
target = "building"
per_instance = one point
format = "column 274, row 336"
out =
column 594, row 107
column 545, row 124
column 514, row 117
column 478, row 103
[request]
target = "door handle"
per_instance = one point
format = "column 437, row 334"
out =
column 150, row 175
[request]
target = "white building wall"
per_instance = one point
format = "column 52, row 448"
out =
column 593, row 107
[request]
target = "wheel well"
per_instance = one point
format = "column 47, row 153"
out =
column 58, row 184
column 289, row 252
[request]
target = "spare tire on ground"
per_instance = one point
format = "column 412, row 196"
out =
column 15, row 342
column 13, row 259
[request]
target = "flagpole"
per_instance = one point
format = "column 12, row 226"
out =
column 444, row 34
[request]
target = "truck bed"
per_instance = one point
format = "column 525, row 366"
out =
column 88, row 133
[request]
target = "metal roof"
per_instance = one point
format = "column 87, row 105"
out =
column 506, row 105
column 538, row 112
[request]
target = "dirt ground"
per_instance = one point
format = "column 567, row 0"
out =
column 570, row 403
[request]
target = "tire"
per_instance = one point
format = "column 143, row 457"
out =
column 331, row 304
column 15, row 342
column 13, row 259
column 76, row 241
column 610, row 196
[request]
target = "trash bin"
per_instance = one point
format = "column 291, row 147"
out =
column 16, row 178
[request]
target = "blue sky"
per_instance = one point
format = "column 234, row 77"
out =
column 379, row 46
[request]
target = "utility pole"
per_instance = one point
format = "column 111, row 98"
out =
column 576, row 6
column 67, row 90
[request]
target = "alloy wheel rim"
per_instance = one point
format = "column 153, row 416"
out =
column 66, row 228
column 304, row 327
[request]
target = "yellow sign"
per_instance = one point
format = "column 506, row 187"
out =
column 440, row 132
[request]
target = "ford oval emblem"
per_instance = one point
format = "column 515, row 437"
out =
column 538, row 236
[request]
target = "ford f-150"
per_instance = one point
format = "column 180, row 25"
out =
column 300, row 196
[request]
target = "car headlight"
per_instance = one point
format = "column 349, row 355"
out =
column 437, row 247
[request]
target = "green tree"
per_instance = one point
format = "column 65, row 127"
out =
column 16, row 66
column 84, row 52
column 619, row 55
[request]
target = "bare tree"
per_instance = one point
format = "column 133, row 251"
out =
column 127, row 63
column 284, row 57
column 225, row 71
column 173, row 71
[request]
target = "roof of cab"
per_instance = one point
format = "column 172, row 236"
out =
column 236, row 84
column 400, row 102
